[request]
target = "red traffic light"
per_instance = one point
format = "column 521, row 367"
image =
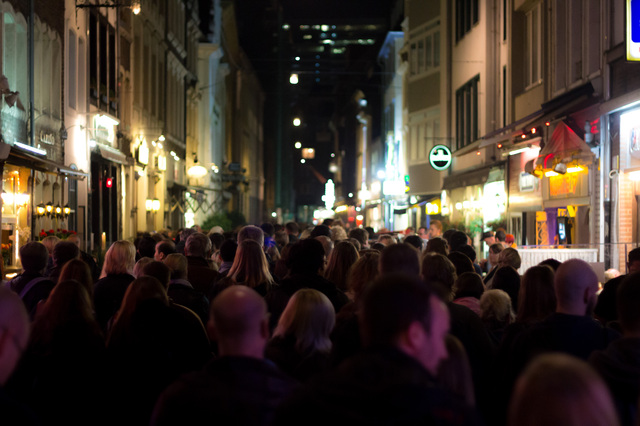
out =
column 109, row 182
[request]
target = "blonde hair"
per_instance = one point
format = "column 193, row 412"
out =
column 338, row 233
column 309, row 317
column 50, row 242
column 250, row 265
column 569, row 390
column 120, row 259
column 495, row 306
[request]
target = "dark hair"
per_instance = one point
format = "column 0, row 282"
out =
column 63, row 252
column 78, row 270
column 469, row 251
column 228, row 250
column 390, row 304
column 34, row 256
column 438, row 271
column 268, row 229
column 461, row 262
column 146, row 247
column 447, row 235
column 306, row 256
column 359, row 234
column 437, row 245
column 537, row 296
column 378, row 246
column 341, row 259
column 500, row 235
column 159, row 271
column 166, row 247
column 628, row 300
column 507, row 279
column 400, row 258
column 552, row 263
column 457, row 240
column 469, row 284
column 216, row 241
column 292, row 227
column 415, row 241
column 320, row 230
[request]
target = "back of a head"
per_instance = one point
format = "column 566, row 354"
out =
column 447, row 235
column 338, row 234
column 120, row 258
column 389, row 306
column 34, row 256
column 159, row 271
column 50, row 242
column 250, row 265
column 178, row 266
column 306, row 257
column 228, row 250
column 457, row 240
column 363, row 272
column 461, row 262
column 268, row 229
column 437, row 245
column 400, row 258
column 510, row 257
column 506, row 278
column 197, row 245
column 77, row 269
column 292, row 228
column 216, row 240
column 327, row 244
column 139, row 266
column 14, row 320
column 166, row 247
column 342, row 258
column 237, row 313
column 251, row 232
column 309, row 316
column 321, row 230
column 281, row 238
column 496, row 308
column 359, row 234
column 570, row 391
column 140, row 290
column 438, row 270
column 537, row 297
column 414, row 241
column 147, row 247
column 469, row 284
column 68, row 302
column 628, row 301
column 634, row 256
column 500, row 235
column 63, row 252
column 571, row 280
column 469, row 251
column 552, row 263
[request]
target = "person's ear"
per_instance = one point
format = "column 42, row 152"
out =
column 415, row 335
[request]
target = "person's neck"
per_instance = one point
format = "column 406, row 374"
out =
column 241, row 350
column 572, row 310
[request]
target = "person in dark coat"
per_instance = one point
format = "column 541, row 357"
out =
column 240, row 387
column 392, row 381
column 606, row 308
column 63, row 252
column 180, row 289
column 306, row 264
column 201, row 274
column 117, row 274
column 32, row 286
column 619, row 364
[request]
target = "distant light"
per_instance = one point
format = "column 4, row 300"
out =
column 160, row 146
column 324, row 27
column 135, row 7
column 547, row 123
column 302, row 160
column 161, row 138
column 333, row 154
column 524, row 136
column 381, row 174
column 274, row 214
column 293, row 79
column 317, row 64
column 297, row 122
column 363, row 102
column 285, row 27
column 327, row 41
column 533, row 130
column 298, row 145
column 350, row 194
column 478, row 153
column 297, row 58
column 307, row 36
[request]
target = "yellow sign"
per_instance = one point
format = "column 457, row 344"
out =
column 563, row 184
column 433, row 207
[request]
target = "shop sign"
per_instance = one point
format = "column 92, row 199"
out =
column 105, row 129
column 527, row 182
column 563, row 185
column 48, row 138
column 440, row 157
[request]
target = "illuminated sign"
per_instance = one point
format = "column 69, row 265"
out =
column 440, row 157
column 105, row 128
column 433, row 207
column 633, row 30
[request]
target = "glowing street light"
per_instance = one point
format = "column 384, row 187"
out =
column 298, row 145
column 297, row 122
column 293, row 79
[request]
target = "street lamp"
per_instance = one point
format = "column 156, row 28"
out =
column 297, row 122
column 134, row 5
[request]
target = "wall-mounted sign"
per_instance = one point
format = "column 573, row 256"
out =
column 633, row 30
column 440, row 157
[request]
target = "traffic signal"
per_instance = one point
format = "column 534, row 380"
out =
column 109, row 182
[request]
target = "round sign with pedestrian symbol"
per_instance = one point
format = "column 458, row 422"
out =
column 440, row 157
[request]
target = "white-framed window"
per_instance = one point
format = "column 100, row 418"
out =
column 425, row 52
column 424, row 130
column 533, row 46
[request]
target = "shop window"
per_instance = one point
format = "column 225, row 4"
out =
column 467, row 113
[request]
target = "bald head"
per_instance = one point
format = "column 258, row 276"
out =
column 239, row 322
column 576, row 285
column 14, row 332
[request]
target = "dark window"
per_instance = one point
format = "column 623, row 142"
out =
column 467, row 113
column 93, row 58
column 466, row 16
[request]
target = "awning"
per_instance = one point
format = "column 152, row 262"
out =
column 477, row 176
column 22, row 158
column 505, row 133
column 112, row 154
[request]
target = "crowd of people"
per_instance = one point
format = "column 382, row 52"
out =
column 281, row 325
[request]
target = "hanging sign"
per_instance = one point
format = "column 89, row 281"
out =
column 440, row 157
